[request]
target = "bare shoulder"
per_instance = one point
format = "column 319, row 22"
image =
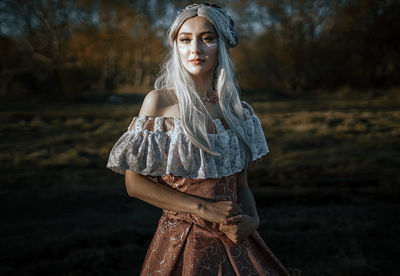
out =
column 155, row 102
column 150, row 104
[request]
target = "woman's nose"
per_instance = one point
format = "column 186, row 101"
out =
column 195, row 46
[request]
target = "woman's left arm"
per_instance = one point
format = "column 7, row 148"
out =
column 245, row 196
column 239, row 227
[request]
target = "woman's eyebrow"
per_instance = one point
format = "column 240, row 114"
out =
column 202, row 33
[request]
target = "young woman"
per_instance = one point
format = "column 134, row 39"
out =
column 188, row 151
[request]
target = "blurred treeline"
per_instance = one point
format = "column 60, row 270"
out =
column 69, row 48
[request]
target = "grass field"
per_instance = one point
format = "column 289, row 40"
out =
column 327, row 193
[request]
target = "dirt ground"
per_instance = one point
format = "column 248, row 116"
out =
column 327, row 193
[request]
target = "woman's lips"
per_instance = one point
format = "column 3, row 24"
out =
column 196, row 61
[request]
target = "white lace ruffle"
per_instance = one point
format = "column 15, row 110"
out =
column 157, row 152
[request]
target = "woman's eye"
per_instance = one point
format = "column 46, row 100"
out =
column 185, row 40
column 208, row 39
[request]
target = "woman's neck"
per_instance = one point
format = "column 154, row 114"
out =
column 203, row 84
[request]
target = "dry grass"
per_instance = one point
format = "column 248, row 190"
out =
column 327, row 192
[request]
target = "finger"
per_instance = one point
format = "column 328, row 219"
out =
column 238, row 208
column 227, row 229
column 223, row 227
column 235, row 219
column 233, row 239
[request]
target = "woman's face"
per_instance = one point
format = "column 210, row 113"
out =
column 198, row 46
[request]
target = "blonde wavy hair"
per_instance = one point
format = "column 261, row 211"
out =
column 173, row 76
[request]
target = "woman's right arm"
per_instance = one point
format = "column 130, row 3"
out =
column 164, row 197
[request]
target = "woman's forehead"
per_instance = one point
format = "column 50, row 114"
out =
column 197, row 25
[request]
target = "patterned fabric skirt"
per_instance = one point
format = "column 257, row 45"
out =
column 185, row 244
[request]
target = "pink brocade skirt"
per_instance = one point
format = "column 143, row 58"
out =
column 185, row 244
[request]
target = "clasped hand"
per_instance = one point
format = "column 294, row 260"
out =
column 239, row 227
column 234, row 223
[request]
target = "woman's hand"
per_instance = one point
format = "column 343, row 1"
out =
column 219, row 211
column 239, row 227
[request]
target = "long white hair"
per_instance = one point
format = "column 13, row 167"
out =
column 173, row 76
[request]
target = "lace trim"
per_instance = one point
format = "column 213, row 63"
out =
column 157, row 146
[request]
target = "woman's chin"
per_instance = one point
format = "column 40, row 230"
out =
column 198, row 72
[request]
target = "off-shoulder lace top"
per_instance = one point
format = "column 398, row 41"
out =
column 158, row 146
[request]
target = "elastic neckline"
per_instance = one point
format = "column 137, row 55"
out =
column 170, row 117
column 220, row 128
column 217, row 122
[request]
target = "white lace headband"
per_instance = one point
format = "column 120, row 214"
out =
column 232, row 36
